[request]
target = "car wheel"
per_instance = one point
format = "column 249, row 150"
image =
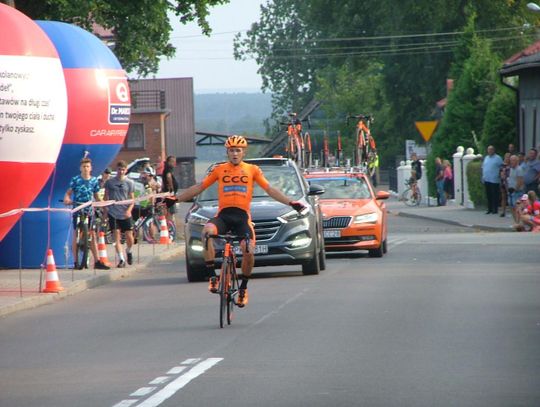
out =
column 194, row 272
column 384, row 246
column 322, row 258
column 313, row 266
column 378, row 252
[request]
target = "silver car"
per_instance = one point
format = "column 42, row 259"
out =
column 284, row 237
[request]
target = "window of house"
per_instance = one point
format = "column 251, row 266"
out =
column 135, row 137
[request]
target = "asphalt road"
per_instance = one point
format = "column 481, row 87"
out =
column 448, row 317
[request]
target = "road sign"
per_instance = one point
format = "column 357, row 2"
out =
column 426, row 129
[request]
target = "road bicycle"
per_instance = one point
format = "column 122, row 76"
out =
column 228, row 279
column 364, row 141
column 84, row 222
column 150, row 225
column 295, row 147
column 411, row 196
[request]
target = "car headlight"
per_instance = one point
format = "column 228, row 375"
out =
column 300, row 240
column 293, row 215
column 366, row 218
column 197, row 219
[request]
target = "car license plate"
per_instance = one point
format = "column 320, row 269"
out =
column 332, row 233
column 259, row 249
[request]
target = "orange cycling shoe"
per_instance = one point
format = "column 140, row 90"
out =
column 213, row 284
column 243, row 297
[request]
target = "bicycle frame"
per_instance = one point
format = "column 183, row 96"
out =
column 228, row 281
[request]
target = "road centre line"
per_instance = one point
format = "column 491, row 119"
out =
column 171, row 388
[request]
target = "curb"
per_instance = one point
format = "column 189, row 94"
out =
column 92, row 282
column 453, row 222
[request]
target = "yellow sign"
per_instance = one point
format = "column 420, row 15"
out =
column 426, row 129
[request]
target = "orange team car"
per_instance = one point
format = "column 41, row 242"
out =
column 354, row 215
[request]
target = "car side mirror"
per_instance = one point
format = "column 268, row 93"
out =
column 382, row 195
column 315, row 189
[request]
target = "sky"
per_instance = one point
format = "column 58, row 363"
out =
column 209, row 60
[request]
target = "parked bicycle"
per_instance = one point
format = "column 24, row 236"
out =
column 364, row 141
column 295, row 142
column 228, row 280
column 149, row 224
column 411, row 196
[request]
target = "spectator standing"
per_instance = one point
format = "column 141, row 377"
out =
column 515, row 185
column 521, row 158
column 532, row 171
column 511, row 149
column 84, row 188
column 504, row 173
column 439, row 182
column 169, row 185
column 491, row 179
column 448, row 177
column 121, row 188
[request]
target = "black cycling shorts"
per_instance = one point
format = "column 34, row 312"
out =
column 235, row 221
column 123, row 224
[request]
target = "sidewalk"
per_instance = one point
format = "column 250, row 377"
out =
column 453, row 214
column 19, row 289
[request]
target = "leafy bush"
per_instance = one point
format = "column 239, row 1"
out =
column 477, row 193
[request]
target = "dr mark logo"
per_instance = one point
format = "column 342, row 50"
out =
column 119, row 101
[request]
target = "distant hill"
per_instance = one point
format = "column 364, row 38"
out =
column 241, row 113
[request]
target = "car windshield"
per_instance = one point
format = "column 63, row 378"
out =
column 281, row 177
column 343, row 188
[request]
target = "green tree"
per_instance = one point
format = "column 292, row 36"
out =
column 142, row 28
column 279, row 44
column 499, row 128
column 354, row 91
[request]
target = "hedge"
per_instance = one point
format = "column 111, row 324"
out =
column 477, row 192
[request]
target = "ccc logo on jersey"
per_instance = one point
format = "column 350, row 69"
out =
column 236, row 179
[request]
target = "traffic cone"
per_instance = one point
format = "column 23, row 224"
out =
column 102, row 250
column 52, row 282
column 163, row 231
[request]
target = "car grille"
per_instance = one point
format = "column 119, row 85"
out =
column 336, row 222
column 265, row 229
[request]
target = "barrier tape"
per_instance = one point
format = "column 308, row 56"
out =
column 97, row 204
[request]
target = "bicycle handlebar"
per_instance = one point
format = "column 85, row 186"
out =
column 367, row 117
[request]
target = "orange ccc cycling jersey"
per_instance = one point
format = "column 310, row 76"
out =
column 235, row 184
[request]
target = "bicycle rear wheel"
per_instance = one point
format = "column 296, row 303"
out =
column 82, row 246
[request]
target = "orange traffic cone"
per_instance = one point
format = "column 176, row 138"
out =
column 52, row 282
column 163, row 231
column 102, row 250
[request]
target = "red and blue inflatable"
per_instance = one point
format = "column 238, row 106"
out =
column 97, row 123
column 33, row 113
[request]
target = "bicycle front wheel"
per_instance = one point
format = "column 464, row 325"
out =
column 233, row 290
column 410, row 198
column 223, row 294
column 82, row 246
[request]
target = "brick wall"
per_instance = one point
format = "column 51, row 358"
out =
column 152, row 139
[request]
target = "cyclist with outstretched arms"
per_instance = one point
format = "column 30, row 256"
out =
column 235, row 180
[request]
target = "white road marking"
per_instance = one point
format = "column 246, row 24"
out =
column 160, row 380
column 190, row 361
column 176, row 370
column 126, row 403
column 143, row 391
column 176, row 384
column 280, row 307
column 179, row 383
